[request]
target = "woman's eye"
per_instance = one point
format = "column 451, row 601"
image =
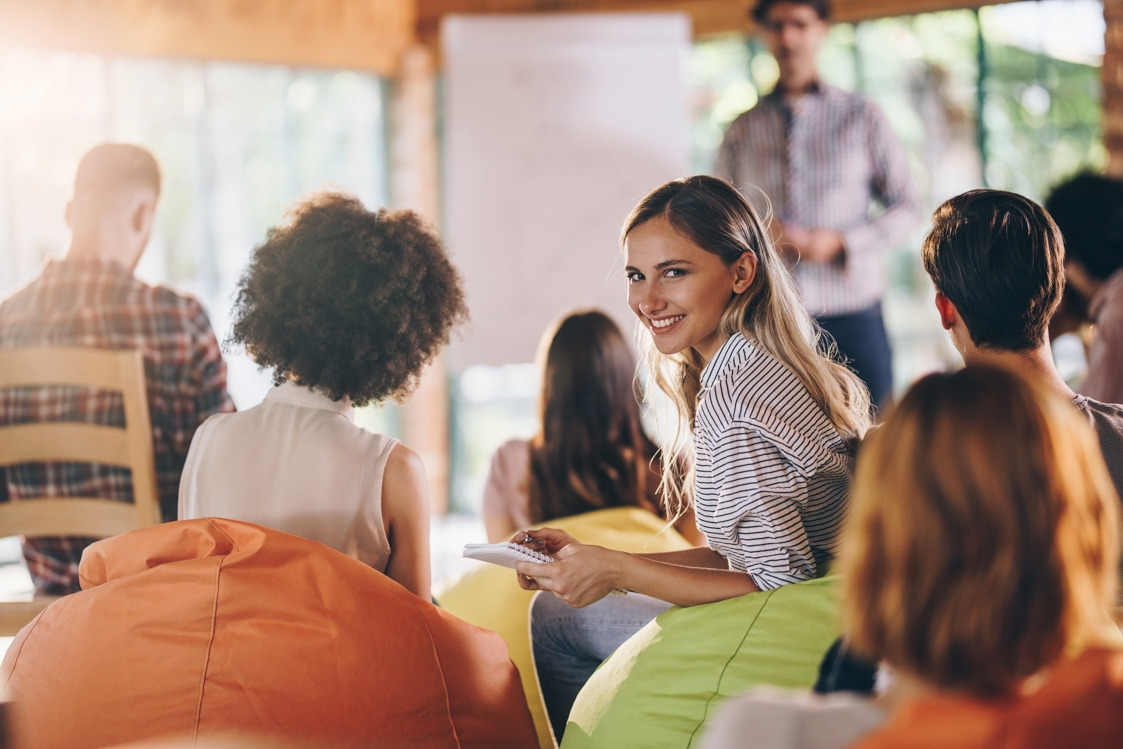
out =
column 634, row 276
column 675, row 272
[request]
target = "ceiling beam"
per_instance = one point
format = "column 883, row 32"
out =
column 360, row 34
column 709, row 17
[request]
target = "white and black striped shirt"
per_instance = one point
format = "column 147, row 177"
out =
column 827, row 163
column 773, row 473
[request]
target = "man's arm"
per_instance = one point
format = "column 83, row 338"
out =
column 890, row 187
column 729, row 153
column 208, row 376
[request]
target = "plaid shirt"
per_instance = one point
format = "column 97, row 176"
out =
column 100, row 304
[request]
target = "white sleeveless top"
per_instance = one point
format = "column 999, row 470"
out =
column 296, row 463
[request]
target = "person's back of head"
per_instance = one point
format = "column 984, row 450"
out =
column 111, row 168
column 982, row 541
column 113, row 206
column 1088, row 209
column 591, row 450
column 999, row 258
column 348, row 301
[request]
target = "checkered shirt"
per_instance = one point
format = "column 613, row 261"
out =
column 100, row 304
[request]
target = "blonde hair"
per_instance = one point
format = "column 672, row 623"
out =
column 713, row 215
column 982, row 540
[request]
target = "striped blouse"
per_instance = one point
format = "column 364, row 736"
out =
column 830, row 162
column 773, row 473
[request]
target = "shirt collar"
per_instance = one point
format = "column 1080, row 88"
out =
column 733, row 352
column 817, row 88
column 58, row 265
column 299, row 395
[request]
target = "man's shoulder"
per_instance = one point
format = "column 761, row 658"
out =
column 1107, row 419
column 850, row 101
column 765, row 107
column 168, row 302
column 167, row 295
column 1098, row 410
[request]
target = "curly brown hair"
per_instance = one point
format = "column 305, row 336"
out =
column 349, row 301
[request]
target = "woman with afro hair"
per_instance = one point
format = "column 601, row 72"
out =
column 346, row 306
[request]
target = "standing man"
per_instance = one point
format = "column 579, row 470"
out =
column 91, row 298
column 837, row 182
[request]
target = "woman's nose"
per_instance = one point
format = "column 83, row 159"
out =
column 651, row 299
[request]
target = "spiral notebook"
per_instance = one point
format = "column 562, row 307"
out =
column 509, row 554
column 505, row 554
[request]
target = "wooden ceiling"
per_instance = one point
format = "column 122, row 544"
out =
column 710, row 17
column 360, row 34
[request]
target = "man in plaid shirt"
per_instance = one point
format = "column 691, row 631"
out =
column 90, row 298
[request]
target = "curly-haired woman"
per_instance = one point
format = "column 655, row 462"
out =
column 347, row 306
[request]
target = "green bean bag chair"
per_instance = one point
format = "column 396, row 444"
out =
column 490, row 597
column 662, row 685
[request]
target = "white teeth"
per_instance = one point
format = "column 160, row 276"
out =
column 665, row 323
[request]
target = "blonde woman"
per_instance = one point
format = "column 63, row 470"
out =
column 767, row 420
column 979, row 564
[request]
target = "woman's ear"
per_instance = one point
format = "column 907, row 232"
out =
column 744, row 271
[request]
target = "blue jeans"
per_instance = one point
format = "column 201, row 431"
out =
column 570, row 643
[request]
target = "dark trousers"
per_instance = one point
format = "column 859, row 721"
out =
column 864, row 346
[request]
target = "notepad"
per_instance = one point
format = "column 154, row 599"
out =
column 509, row 554
column 506, row 554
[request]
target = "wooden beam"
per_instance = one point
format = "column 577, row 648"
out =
column 1112, row 75
column 710, row 17
column 358, row 34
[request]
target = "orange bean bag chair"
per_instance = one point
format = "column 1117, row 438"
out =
column 203, row 627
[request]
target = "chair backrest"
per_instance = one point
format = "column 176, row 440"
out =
column 59, row 441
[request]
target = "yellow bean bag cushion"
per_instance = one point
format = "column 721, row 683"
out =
column 490, row 597
column 661, row 686
column 204, row 627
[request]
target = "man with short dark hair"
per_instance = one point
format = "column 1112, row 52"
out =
column 91, row 298
column 1088, row 208
column 997, row 261
column 837, row 181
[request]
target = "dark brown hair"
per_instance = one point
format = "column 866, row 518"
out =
column 591, row 450
column 1088, row 209
column 348, row 301
column 999, row 258
column 821, row 7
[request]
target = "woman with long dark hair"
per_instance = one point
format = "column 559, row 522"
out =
column 590, row 451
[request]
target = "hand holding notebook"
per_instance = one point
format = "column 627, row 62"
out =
column 509, row 554
column 506, row 554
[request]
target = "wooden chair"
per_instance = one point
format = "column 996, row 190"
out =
column 60, row 441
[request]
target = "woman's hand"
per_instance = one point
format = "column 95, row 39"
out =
column 546, row 540
column 582, row 575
